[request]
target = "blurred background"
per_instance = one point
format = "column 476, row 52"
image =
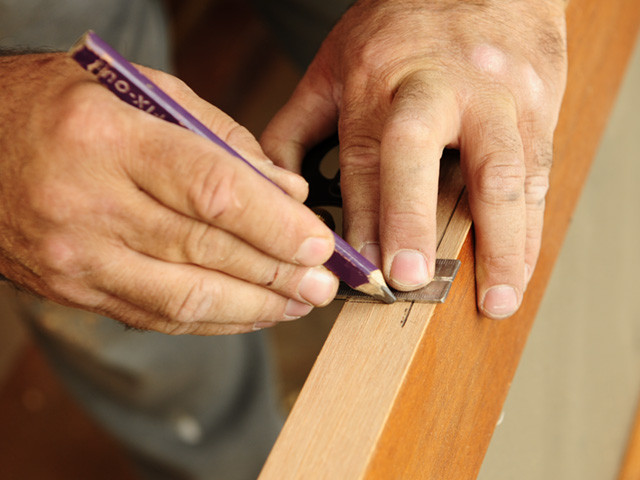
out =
column 584, row 349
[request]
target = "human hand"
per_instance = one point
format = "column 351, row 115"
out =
column 405, row 79
column 110, row 209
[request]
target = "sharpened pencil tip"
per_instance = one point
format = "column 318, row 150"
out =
column 377, row 288
column 383, row 293
column 387, row 295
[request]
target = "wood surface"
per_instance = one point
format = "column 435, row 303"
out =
column 415, row 391
column 360, row 369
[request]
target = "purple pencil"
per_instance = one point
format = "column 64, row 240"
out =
column 124, row 80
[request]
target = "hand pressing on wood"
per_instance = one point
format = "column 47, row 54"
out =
column 107, row 208
column 405, row 79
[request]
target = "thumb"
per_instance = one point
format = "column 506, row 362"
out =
column 310, row 116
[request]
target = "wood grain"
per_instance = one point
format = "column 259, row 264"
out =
column 360, row 369
column 415, row 391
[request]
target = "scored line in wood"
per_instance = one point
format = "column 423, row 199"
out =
column 435, row 291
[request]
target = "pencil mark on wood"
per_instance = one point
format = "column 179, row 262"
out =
column 405, row 315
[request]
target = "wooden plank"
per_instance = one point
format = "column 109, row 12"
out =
column 375, row 352
column 415, row 391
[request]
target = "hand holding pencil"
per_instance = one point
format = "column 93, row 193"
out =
column 130, row 85
column 110, row 209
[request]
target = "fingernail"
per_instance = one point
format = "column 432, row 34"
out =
column 295, row 310
column 261, row 325
column 313, row 251
column 500, row 301
column 318, row 286
column 371, row 251
column 409, row 269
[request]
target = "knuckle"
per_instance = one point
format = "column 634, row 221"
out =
column 178, row 84
column 69, row 271
column 536, row 188
column 359, row 156
column 180, row 87
column 367, row 57
column 199, row 241
column 404, row 221
column 239, row 135
column 368, row 67
column 178, row 328
column 214, row 248
column 212, row 195
column 225, row 127
column 498, row 182
column 81, row 110
column 407, row 123
column 196, row 304
column 51, row 203
column 60, row 255
column 226, row 256
column 538, row 169
column 177, row 88
column 489, row 59
column 422, row 88
column 361, row 165
column 501, row 263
